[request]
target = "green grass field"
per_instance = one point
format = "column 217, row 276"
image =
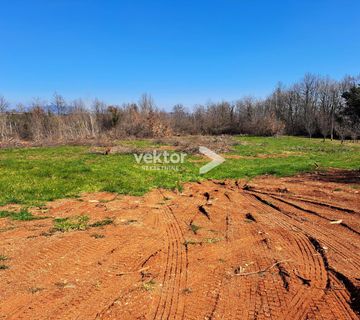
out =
column 33, row 176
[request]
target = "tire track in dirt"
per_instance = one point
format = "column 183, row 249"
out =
column 316, row 298
column 125, row 299
column 102, row 249
column 171, row 301
column 131, row 281
column 248, row 223
column 296, row 206
column 111, row 288
column 53, row 294
column 214, row 285
column 298, row 299
column 323, row 204
column 39, row 257
column 222, row 292
column 74, row 305
column 354, row 292
column 256, row 230
column 228, row 295
column 328, row 233
column 302, row 199
column 209, row 304
column 209, row 288
column 109, row 291
column 248, row 255
column 300, row 305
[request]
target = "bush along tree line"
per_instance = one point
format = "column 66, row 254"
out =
column 315, row 106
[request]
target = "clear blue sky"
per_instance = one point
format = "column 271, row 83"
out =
column 189, row 51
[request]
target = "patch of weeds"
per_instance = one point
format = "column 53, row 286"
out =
column 22, row 215
column 179, row 187
column 149, row 285
column 212, row 240
column 190, row 241
column 97, row 236
column 355, row 186
column 3, row 258
column 338, row 189
column 25, row 215
column 71, row 224
column 3, row 267
column 194, row 228
column 102, row 223
column 5, row 214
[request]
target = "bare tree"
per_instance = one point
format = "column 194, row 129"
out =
column 146, row 104
column 313, row 106
column 309, row 92
column 3, row 117
column 38, row 121
column 3, row 104
column 181, row 122
column 59, row 104
column 326, row 107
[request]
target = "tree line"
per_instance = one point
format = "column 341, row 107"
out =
column 314, row 106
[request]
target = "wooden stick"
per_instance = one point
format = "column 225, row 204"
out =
column 261, row 271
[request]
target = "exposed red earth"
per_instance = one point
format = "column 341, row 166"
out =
column 269, row 248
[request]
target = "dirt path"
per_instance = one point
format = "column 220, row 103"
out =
column 267, row 249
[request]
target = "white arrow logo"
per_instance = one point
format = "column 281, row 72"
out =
column 216, row 160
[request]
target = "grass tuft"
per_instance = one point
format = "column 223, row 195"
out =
column 22, row 215
column 149, row 285
column 194, row 228
column 71, row 224
column 212, row 240
column 102, row 223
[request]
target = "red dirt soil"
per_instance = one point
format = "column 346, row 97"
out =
column 271, row 248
